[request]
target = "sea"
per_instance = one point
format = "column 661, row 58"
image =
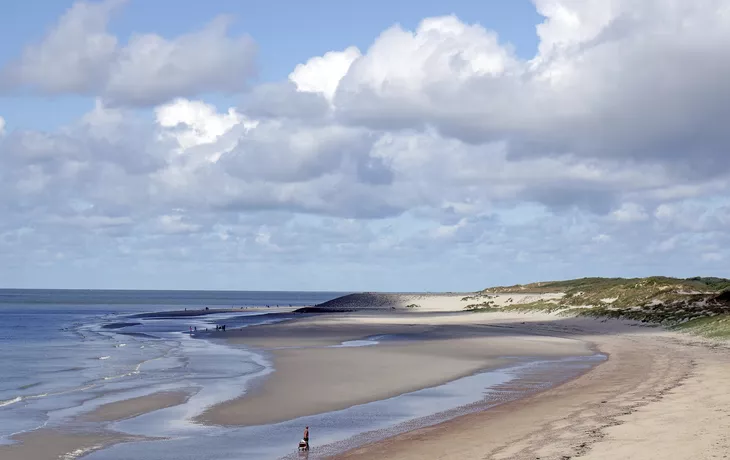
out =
column 64, row 353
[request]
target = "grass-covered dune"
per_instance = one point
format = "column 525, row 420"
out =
column 700, row 305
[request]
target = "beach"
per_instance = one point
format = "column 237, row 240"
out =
column 314, row 374
column 394, row 381
column 659, row 395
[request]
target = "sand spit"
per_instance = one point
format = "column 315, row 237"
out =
column 185, row 313
column 213, row 311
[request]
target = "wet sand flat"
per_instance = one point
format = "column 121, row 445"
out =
column 314, row 379
column 133, row 407
column 56, row 444
column 53, row 444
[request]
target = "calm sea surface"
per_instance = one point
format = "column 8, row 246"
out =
column 58, row 358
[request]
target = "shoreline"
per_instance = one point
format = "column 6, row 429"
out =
column 315, row 374
column 522, row 386
column 593, row 414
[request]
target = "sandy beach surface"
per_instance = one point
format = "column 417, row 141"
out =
column 660, row 395
column 417, row 352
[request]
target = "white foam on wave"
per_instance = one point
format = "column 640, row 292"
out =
column 105, row 357
column 356, row 343
column 80, row 452
column 10, row 401
column 121, row 345
column 18, row 399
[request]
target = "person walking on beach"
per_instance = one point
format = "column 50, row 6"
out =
column 306, row 436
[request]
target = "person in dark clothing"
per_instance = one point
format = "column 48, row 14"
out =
column 306, row 436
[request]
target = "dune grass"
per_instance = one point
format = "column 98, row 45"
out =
column 699, row 305
column 715, row 327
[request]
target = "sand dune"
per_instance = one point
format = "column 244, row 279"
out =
column 415, row 303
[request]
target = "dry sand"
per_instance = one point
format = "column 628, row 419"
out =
column 428, row 303
column 659, row 396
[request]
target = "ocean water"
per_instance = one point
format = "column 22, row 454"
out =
column 58, row 359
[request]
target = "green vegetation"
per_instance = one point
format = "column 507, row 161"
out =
column 540, row 305
column 413, row 305
column 716, row 327
column 700, row 305
column 484, row 307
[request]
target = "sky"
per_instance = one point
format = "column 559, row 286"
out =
column 383, row 146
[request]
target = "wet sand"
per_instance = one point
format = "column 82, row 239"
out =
column 65, row 443
column 128, row 408
column 314, row 379
column 56, row 444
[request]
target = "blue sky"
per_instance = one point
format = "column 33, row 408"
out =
column 286, row 33
column 360, row 146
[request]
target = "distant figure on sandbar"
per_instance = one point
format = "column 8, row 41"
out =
column 304, row 443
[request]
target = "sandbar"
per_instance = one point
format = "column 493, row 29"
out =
column 313, row 375
column 133, row 407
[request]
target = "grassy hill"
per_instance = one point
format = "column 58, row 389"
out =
column 700, row 305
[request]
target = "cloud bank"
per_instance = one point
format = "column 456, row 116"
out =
column 79, row 56
column 435, row 157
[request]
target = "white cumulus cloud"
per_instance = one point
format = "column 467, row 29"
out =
column 322, row 74
column 79, row 55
